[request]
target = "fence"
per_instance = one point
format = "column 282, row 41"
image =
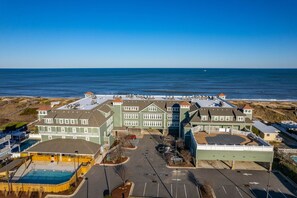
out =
column 28, row 188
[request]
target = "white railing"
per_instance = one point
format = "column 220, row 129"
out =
column 5, row 139
column 5, row 150
column 234, row 147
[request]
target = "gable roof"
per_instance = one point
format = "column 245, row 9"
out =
column 44, row 108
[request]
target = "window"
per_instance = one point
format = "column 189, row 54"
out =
column 152, row 108
column 84, row 121
column 49, row 129
column 131, row 108
column 66, row 121
column 61, row 121
column 88, row 138
column 50, row 137
column 169, row 108
column 130, row 123
column 131, row 115
column 222, row 118
column 172, row 124
column 74, row 130
column 85, row 130
column 175, row 108
column 240, row 118
column 152, row 116
column 216, row 118
column 152, row 123
column 62, row 129
column 72, row 121
column 49, row 120
column 175, row 117
column 109, row 121
column 204, row 118
column 109, row 129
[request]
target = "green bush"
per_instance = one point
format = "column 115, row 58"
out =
column 29, row 111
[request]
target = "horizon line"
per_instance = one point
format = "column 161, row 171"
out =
column 148, row 68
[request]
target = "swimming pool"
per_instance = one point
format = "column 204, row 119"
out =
column 24, row 145
column 46, row 177
column 294, row 157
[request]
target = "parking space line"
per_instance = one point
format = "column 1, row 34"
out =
column 143, row 194
column 252, row 192
column 224, row 189
column 266, row 192
column 186, row 195
column 158, row 189
column 282, row 193
column 239, row 192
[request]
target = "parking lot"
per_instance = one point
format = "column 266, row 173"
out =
column 148, row 171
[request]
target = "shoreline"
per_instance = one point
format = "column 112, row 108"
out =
column 229, row 99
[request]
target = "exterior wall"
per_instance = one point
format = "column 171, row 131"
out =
column 87, row 133
column 255, row 156
column 268, row 136
column 117, row 116
column 183, row 114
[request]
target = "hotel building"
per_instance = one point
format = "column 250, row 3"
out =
column 95, row 117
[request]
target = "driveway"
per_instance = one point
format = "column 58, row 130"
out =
column 152, row 178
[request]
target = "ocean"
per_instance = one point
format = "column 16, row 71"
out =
column 257, row 84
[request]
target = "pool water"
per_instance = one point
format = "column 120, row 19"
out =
column 294, row 157
column 24, row 145
column 46, row 177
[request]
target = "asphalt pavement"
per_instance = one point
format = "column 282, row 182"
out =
column 148, row 171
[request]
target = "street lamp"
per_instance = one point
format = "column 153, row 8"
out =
column 87, row 180
column 267, row 190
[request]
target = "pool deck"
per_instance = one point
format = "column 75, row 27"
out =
column 61, row 166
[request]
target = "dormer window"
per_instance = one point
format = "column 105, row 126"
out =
column 48, row 120
column 240, row 118
column 66, row 121
column 84, row 121
column 61, row 121
column 204, row 118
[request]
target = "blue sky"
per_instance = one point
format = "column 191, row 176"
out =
column 154, row 33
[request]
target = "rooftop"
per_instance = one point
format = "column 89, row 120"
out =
column 89, row 103
column 225, row 139
column 66, row 146
column 265, row 128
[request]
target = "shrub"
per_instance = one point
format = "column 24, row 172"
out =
column 29, row 111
